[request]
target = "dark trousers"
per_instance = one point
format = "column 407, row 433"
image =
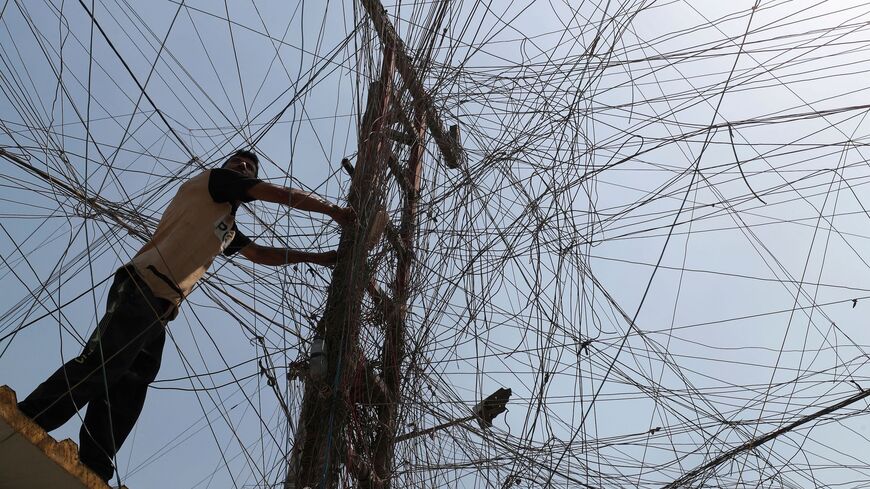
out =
column 111, row 375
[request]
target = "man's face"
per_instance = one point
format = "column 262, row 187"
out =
column 242, row 165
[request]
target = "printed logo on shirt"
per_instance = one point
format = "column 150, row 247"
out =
column 223, row 229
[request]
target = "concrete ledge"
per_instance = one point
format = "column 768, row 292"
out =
column 31, row 459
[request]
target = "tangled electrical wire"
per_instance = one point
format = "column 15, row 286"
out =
column 658, row 241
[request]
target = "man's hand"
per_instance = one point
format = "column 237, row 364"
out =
column 344, row 216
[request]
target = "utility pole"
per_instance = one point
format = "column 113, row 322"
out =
column 320, row 437
column 323, row 449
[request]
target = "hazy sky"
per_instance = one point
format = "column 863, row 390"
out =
column 603, row 187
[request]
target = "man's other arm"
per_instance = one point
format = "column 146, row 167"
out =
column 266, row 255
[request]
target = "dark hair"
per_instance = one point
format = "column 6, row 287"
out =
column 244, row 153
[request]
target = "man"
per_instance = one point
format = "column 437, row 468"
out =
column 123, row 355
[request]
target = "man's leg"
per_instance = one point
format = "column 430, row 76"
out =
column 115, row 344
column 99, row 439
column 71, row 386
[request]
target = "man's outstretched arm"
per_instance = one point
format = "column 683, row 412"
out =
column 301, row 200
column 265, row 255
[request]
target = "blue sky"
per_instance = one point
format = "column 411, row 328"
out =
column 740, row 277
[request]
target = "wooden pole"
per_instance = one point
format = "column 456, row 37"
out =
column 320, row 440
column 449, row 146
column 393, row 351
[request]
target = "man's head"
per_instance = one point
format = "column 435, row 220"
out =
column 244, row 162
